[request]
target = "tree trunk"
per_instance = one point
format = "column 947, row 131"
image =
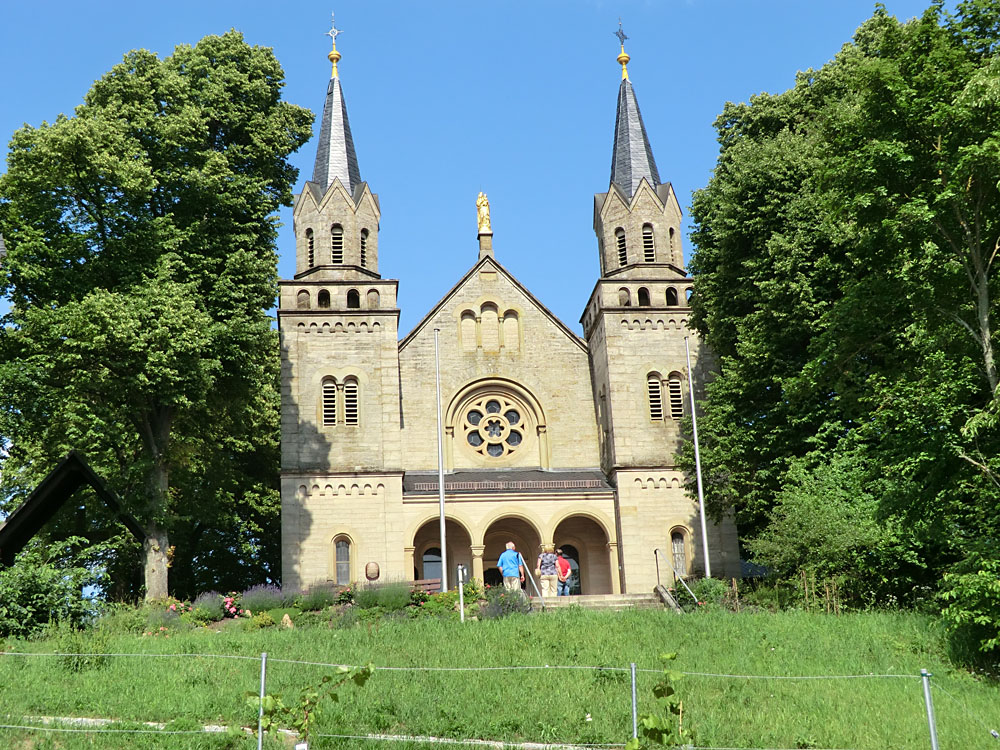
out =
column 154, row 549
column 156, row 544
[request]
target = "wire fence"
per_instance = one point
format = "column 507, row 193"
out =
column 617, row 683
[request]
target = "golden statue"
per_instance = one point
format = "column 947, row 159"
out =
column 483, row 209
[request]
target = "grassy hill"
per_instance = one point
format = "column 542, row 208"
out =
column 185, row 687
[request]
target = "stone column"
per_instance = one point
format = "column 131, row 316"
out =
column 616, row 587
column 407, row 563
column 477, row 561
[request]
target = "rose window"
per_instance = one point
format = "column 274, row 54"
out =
column 494, row 426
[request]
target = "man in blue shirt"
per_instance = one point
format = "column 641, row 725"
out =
column 511, row 568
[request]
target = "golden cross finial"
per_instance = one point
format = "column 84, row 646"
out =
column 623, row 57
column 334, row 56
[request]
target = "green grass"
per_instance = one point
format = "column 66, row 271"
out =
column 534, row 705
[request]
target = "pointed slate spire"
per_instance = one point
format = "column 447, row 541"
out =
column 335, row 155
column 632, row 158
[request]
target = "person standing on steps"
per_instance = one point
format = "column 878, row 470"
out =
column 547, row 570
column 511, row 568
column 563, row 572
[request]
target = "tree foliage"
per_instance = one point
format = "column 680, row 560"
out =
column 140, row 267
column 845, row 277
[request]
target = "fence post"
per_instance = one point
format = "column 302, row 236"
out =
column 260, row 708
column 926, row 677
column 635, row 706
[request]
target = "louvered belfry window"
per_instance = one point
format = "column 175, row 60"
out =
column 649, row 252
column 329, row 402
column 351, row 402
column 655, row 397
column 364, row 248
column 336, row 244
column 676, row 398
column 310, row 240
column 622, row 253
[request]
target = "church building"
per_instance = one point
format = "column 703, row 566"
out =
column 548, row 438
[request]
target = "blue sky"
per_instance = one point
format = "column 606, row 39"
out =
column 449, row 98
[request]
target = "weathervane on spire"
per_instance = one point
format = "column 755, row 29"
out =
column 333, row 33
column 620, row 34
column 623, row 57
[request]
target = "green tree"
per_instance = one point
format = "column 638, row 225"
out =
column 844, row 274
column 140, row 267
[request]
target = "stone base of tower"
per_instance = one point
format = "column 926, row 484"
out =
column 653, row 509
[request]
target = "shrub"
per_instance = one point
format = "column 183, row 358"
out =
column 123, row 619
column 82, row 650
column 500, row 603
column 36, row 592
column 972, row 608
column 390, row 596
column 346, row 595
column 263, row 597
column 711, row 592
column 318, row 598
column 261, row 620
column 207, row 607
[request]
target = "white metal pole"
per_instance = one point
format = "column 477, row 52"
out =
column 461, row 594
column 635, row 706
column 260, row 709
column 697, row 464
column 926, row 677
column 444, row 549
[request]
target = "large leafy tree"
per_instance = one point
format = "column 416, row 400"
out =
column 140, row 265
column 845, row 275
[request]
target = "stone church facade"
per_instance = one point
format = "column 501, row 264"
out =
column 549, row 438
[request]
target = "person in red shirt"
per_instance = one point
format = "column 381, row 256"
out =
column 562, row 573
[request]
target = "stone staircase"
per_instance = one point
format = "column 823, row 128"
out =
column 606, row 602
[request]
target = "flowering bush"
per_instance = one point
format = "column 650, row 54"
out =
column 500, row 603
column 263, row 597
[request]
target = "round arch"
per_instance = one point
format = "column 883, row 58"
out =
column 518, row 512
column 597, row 517
column 427, row 536
column 592, row 542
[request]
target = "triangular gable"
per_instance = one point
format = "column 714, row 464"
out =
column 517, row 285
column 48, row 497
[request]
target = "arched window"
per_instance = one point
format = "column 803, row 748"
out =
column 490, row 327
column 676, row 396
column 620, row 240
column 643, row 297
column 671, row 297
column 373, row 299
column 688, row 293
column 678, row 552
column 302, row 300
column 432, row 562
column 323, row 299
column 329, row 402
column 336, row 244
column 671, row 235
column 648, row 251
column 342, row 561
column 351, row 401
column 511, row 335
column 364, row 247
column 468, row 331
column 624, row 298
column 353, row 299
column 654, row 390
column 310, row 243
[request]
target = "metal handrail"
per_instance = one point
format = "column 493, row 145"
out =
column 531, row 578
column 677, row 576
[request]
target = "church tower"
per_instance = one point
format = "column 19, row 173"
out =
column 340, row 413
column 635, row 325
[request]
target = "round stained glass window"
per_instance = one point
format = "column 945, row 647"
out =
column 494, row 426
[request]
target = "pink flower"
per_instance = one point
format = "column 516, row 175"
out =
column 173, row 607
